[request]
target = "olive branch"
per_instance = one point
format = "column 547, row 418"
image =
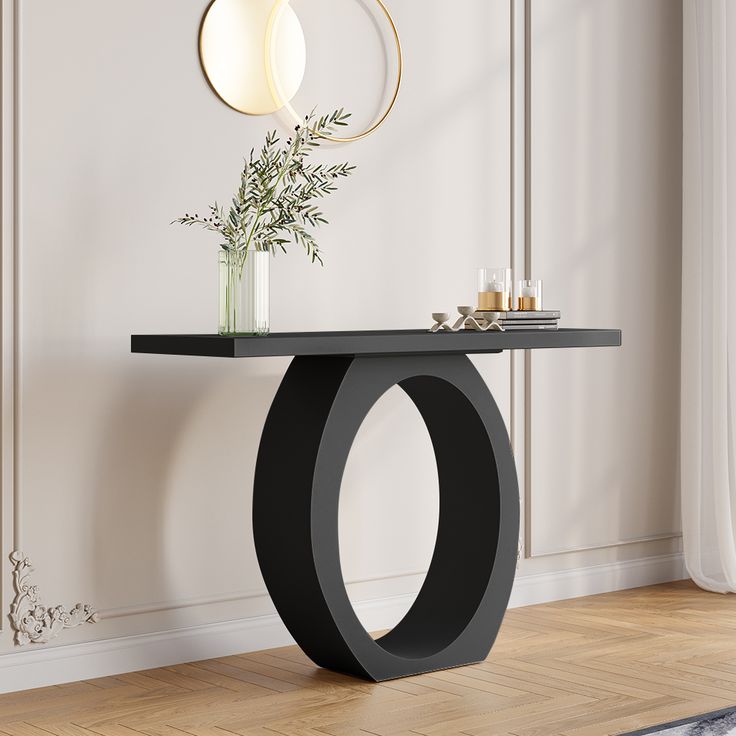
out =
column 276, row 200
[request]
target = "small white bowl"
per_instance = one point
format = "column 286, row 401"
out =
column 440, row 317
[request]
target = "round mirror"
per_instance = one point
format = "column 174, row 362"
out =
column 232, row 48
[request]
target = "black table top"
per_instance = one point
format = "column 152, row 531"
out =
column 383, row 342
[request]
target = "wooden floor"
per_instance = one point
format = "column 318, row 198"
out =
column 601, row 665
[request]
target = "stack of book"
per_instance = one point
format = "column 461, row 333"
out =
column 546, row 320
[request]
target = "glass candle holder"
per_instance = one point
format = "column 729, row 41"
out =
column 530, row 296
column 494, row 289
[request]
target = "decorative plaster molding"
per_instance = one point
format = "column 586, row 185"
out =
column 33, row 622
column 41, row 667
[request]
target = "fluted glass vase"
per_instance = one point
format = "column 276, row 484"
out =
column 245, row 298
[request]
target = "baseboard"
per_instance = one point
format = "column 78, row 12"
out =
column 563, row 585
column 30, row 669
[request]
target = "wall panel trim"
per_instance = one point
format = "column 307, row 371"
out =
column 520, row 251
column 9, row 184
column 606, row 545
column 518, row 238
column 11, row 364
column 525, row 404
column 234, row 597
column 71, row 663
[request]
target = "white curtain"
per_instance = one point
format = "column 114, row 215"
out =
column 708, row 442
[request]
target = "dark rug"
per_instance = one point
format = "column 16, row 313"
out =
column 720, row 723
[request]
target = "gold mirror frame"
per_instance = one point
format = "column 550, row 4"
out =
column 281, row 100
column 274, row 86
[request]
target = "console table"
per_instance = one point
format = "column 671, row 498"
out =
column 329, row 388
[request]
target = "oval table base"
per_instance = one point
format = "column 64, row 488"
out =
column 306, row 441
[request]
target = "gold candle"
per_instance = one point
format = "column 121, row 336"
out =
column 530, row 296
column 494, row 301
column 529, row 304
column 495, row 290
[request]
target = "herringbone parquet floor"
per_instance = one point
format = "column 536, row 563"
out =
column 600, row 665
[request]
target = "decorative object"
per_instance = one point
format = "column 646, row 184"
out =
column 494, row 289
column 439, row 320
column 519, row 320
column 468, row 320
column 235, row 62
column 245, row 291
column 466, row 317
column 530, row 296
column 253, row 54
column 275, row 202
column 457, row 613
column 33, row 622
column 720, row 723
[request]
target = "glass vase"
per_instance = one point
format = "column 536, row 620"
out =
column 245, row 298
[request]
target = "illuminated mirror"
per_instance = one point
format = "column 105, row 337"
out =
column 233, row 49
column 253, row 54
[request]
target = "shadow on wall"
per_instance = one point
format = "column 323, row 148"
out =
column 176, row 458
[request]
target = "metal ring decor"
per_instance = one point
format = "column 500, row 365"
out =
column 280, row 97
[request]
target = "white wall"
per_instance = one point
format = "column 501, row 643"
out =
column 127, row 478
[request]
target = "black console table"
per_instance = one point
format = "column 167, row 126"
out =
column 331, row 385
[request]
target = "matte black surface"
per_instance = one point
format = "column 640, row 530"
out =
column 333, row 382
column 306, row 441
column 391, row 342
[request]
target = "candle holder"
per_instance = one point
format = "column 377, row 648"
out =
column 494, row 290
column 530, row 296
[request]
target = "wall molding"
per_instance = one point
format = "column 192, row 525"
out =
column 517, row 430
column 12, row 355
column 74, row 662
column 33, row 622
column 530, row 590
column 525, row 259
column 255, row 631
column 235, row 597
column 666, row 537
column 9, row 85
